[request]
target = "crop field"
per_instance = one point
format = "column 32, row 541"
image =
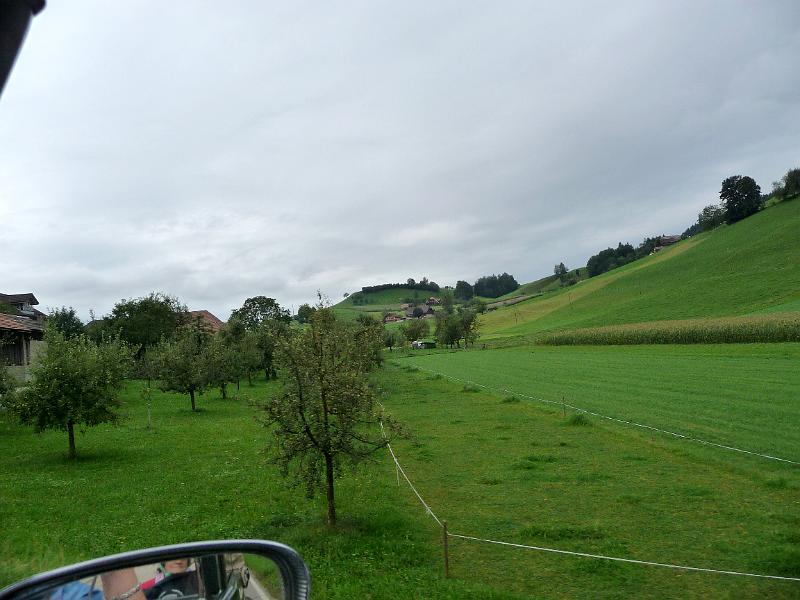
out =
column 768, row 327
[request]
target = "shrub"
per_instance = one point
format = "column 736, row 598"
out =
column 579, row 420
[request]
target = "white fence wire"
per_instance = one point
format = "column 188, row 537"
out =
column 471, row 538
column 616, row 419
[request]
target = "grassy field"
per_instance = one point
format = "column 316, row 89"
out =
column 199, row 476
column 500, row 466
column 493, row 465
column 740, row 269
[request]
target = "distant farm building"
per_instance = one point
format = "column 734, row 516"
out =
column 21, row 332
column 666, row 240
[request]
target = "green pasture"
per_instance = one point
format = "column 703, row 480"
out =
column 503, row 467
column 203, row 475
column 744, row 268
column 495, row 465
column 745, row 395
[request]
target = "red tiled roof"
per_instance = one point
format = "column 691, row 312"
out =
column 14, row 324
column 213, row 323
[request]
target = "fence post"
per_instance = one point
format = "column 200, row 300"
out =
column 446, row 550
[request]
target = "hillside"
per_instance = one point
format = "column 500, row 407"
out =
column 376, row 303
column 749, row 267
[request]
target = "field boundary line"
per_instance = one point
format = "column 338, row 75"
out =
column 429, row 511
column 616, row 419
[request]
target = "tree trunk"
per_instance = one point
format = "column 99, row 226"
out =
column 238, row 381
column 249, row 379
column 191, row 395
column 71, row 431
column 224, row 389
column 329, row 486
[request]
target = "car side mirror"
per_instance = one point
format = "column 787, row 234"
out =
column 219, row 570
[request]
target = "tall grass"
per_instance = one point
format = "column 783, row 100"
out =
column 728, row 330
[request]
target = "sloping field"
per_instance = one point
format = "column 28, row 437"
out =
column 376, row 303
column 749, row 267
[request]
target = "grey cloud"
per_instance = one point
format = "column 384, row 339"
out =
column 222, row 151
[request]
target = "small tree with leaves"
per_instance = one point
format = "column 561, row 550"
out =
column 218, row 365
column 415, row 329
column 75, row 384
column 66, row 321
column 179, row 363
column 325, row 415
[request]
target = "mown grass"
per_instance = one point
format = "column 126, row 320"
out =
column 774, row 327
column 740, row 269
column 516, row 471
column 745, row 395
column 203, row 475
column 526, row 473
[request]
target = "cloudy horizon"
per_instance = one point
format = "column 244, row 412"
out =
column 217, row 152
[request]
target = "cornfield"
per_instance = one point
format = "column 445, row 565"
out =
column 729, row 330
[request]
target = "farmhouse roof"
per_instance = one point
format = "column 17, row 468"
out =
column 208, row 319
column 14, row 323
column 19, row 298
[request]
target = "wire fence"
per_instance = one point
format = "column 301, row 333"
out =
column 675, row 434
column 447, row 534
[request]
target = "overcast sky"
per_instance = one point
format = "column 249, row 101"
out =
column 220, row 150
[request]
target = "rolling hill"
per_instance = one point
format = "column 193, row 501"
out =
column 750, row 267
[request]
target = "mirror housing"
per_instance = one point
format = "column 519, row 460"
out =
column 15, row 17
column 293, row 571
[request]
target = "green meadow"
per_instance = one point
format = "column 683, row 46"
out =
column 494, row 465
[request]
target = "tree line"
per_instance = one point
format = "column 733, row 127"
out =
column 488, row 286
column 423, row 284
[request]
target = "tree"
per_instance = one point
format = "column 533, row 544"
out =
column 258, row 310
column 468, row 323
column 144, row 322
column 464, row 291
column 218, row 365
column 790, row 184
column 66, row 321
column 304, row 312
column 741, row 197
column 75, row 383
column 561, row 271
column 710, row 217
column 179, row 363
column 267, row 336
column 448, row 329
column 448, row 303
column 415, row 330
column 321, row 418
column 391, row 339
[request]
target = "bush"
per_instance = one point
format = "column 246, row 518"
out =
column 579, row 420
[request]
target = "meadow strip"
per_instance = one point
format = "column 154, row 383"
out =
column 615, row 419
